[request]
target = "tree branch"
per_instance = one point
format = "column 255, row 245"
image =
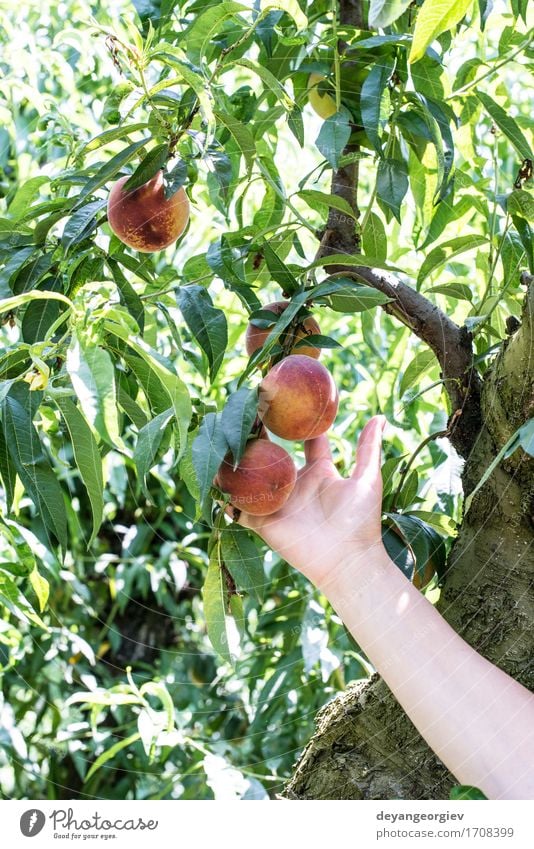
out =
column 451, row 344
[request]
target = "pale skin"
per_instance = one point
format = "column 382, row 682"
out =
column 478, row 720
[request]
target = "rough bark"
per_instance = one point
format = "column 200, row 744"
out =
column 365, row 746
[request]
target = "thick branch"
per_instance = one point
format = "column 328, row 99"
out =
column 450, row 343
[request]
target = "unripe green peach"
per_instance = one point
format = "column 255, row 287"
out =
column 321, row 102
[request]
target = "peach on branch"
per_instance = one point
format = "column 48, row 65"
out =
column 143, row 218
column 256, row 336
column 322, row 103
column 298, row 398
column 263, row 480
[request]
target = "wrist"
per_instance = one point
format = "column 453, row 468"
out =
column 359, row 570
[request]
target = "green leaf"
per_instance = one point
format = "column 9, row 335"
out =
column 208, row 452
column 237, row 419
column 81, row 224
column 391, row 185
column 423, row 361
column 382, row 13
column 521, row 203
column 433, row 18
column 147, row 445
column 353, row 260
column 290, row 7
column 279, row 270
column 399, row 551
column 524, row 231
column 30, row 461
column 8, row 472
column 372, row 91
column 374, row 239
column 87, row 459
column 109, row 170
column 463, row 792
column 12, row 598
column 187, row 470
column 110, row 753
column 127, row 293
column 39, row 317
column 243, row 560
column 111, row 135
column 164, row 371
column 317, row 340
column 215, row 601
column 205, row 25
column 206, row 323
column 334, row 136
column 40, row 586
column 242, row 135
column 354, row 297
column 317, row 200
column 153, row 162
column 426, row 544
column 446, row 251
column 91, row 371
column 25, row 195
column 460, row 291
column 174, row 179
column 507, row 125
column 296, row 124
column 268, row 78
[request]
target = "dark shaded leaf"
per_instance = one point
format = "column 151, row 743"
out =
column 153, row 162
column 237, row 419
column 243, row 560
column 206, row 323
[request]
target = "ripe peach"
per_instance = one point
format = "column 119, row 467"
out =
column 298, row 398
column 143, row 219
column 256, row 336
column 263, row 481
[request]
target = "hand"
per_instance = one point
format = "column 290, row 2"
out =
column 328, row 520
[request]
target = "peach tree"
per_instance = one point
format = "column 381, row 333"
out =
column 367, row 163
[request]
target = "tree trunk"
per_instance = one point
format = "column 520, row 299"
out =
column 365, row 747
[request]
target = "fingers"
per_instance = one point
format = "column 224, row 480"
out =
column 369, row 450
column 317, row 449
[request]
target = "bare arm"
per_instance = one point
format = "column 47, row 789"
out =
column 477, row 719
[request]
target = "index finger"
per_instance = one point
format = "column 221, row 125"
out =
column 369, row 450
column 317, row 449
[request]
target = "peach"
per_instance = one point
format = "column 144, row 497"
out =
column 256, row 336
column 143, row 219
column 298, row 398
column 263, row 480
column 321, row 102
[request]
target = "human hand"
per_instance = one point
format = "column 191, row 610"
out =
column 328, row 519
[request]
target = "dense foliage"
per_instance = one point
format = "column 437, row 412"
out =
column 124, row 379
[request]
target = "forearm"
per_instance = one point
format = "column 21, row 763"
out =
column 477, row 719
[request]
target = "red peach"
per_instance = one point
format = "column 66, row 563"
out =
column 143, row 219
column 263, row 480
column 298, row 398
